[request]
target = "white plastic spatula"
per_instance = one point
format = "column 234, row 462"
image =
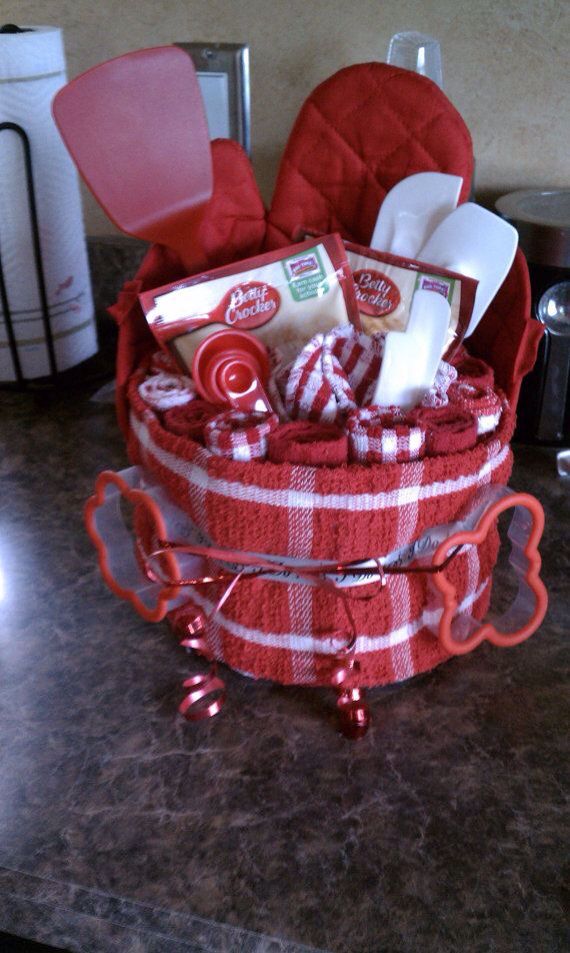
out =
column 476, row 243
column 411, row 358
column 412, row 209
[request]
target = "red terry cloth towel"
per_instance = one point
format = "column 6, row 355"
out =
column 484, row 403
column 307, row 443
column 189, row 420
column 472, row 370
column 163, row 361
column 280, row 631
column 333, row 374
column 239, row 436
column 447, row 429
column 377, row 435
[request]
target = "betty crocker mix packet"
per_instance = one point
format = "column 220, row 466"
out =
column 385, row 285
column 284, row 297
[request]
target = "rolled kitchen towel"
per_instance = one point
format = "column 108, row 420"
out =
column 333, row 374
column 162, row 361
column 190, row 419
column 307, row 443
column 162, row 391
column 474, row 371
column 379, row 436
column 239, row 436
column 483, row 402
column 448, row 429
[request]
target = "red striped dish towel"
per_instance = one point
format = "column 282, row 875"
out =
column 333, row 374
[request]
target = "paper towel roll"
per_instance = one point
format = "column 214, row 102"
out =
column 32, row 70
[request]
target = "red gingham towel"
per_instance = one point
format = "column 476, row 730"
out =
column 162, row 391
column 239, row 436
column 309, row 444
column 189, row 420
column 483, row 402
column 333, row 374
column 379, row 436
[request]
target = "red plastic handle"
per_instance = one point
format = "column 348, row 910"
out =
column 529, row 606
column 115, row 544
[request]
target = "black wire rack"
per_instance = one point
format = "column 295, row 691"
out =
column 14, row 128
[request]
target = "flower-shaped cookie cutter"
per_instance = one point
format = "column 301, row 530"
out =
column 459, row 632
column 116, row 545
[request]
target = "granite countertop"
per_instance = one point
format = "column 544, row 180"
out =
column 124, row 828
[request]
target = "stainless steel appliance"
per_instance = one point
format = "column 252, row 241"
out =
column 542, row 219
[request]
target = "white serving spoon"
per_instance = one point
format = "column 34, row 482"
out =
column 412, row 209
column 477, row 243
column 411, row 358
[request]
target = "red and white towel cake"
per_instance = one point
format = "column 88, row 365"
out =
column 293, row 632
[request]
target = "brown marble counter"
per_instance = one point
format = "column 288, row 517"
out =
column 123, row 828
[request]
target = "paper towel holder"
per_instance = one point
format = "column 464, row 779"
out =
column 47, row 320
column 40, row 276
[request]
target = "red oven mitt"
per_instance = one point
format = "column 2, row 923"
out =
column 357, row 135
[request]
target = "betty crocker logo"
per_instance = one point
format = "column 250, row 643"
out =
column 248, row 305
column 375, row 292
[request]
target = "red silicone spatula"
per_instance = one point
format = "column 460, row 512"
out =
column 136, row 130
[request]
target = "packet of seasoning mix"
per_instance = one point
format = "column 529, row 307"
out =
column 385, row 285
column 283, row 297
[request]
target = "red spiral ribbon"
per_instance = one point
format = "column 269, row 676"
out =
column 202, row 687
column 354, row 713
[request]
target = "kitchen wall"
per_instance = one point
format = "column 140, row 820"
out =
column 506, row 66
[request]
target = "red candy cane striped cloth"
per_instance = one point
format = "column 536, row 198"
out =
column 239, row 436
column 333, row 374
column 379, row 436
column 163, row 391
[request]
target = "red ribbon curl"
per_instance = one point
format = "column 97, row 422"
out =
column 353, row 711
